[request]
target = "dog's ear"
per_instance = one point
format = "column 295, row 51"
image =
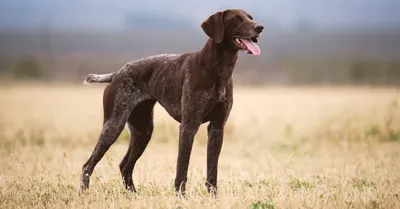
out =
column 213, row 26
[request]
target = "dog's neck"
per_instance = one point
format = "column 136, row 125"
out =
column 220, row 57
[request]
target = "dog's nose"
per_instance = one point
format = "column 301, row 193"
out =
column 259, row 28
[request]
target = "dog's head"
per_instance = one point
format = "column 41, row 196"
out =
column 236, row 28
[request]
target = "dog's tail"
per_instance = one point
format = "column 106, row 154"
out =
column 102, row 78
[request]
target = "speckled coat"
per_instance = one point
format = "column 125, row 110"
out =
column 193, row 88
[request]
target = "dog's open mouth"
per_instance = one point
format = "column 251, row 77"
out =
column 248, row 45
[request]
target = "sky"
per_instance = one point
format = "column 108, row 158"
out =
column 78, row 14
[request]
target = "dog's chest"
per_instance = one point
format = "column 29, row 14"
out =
column 209, row 102
column 225, row 66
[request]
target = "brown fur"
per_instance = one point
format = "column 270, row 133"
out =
column 194, row 88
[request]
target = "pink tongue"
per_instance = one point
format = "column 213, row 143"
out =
column 255, row 50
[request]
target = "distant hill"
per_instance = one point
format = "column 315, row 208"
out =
column 301, row 57
column 373, row 44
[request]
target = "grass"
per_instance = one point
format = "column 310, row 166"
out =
column 284, row 148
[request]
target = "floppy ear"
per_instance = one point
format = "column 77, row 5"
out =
column 213, row 26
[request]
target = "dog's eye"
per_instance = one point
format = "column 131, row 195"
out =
column 250, row 17
column 239, row 18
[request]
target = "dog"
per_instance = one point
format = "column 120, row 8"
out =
column 194, row 88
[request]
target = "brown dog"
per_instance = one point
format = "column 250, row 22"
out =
column 194, row 88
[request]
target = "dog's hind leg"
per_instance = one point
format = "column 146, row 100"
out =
column 118, row 104
column 141, row 126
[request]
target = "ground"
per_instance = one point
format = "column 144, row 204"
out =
column 308, row 147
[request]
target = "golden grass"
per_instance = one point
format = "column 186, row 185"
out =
column 284, row 148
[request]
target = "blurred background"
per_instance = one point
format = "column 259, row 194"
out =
column 309, row 42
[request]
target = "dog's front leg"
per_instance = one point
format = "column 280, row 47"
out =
column 187, row 131
column 214, row 145
column 215, row 131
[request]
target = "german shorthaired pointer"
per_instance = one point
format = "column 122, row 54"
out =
column 194, row 88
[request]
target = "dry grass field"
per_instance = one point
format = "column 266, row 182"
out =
column 284, row 148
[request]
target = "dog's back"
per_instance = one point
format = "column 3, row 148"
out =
column 134, row 68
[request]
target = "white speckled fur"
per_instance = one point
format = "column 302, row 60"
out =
column 193, row 88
